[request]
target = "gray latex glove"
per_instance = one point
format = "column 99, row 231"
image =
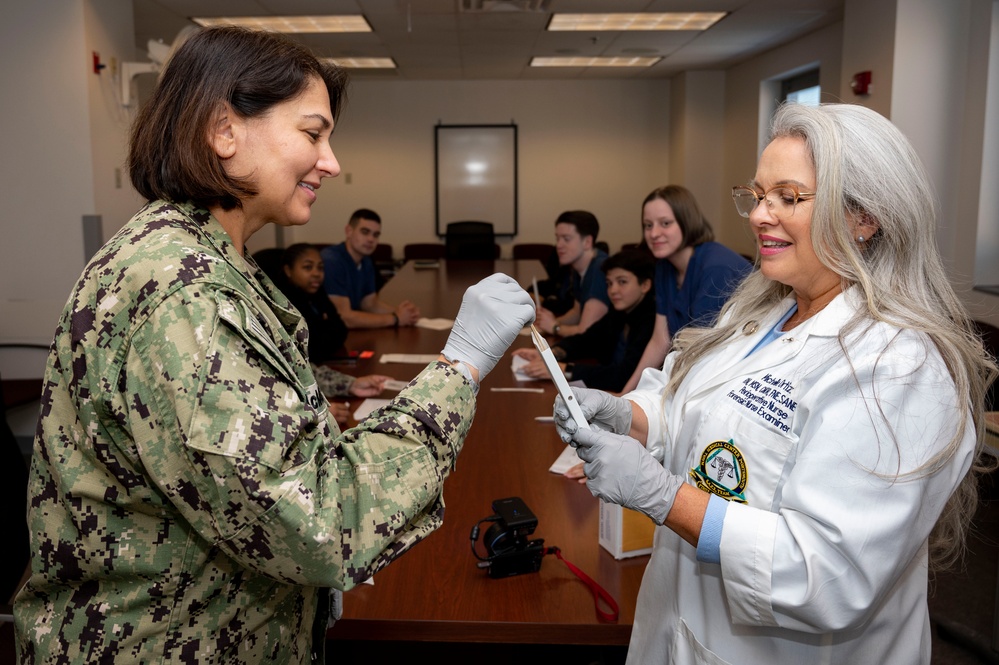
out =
column 620, row 470
column 602, row 410
column 492, row 313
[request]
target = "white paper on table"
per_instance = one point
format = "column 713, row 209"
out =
column 517, row 363
column 365, row 408
column 408, row 358
column 435, row 324
column 395, row 384
column 565, row 461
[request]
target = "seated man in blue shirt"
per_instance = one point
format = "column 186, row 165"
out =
column 350, row 277
column 575, row 234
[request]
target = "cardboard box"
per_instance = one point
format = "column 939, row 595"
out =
column 623, row 532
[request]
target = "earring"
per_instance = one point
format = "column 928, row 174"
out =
column 860, row 238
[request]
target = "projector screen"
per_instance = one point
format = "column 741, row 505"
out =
column 476, row 176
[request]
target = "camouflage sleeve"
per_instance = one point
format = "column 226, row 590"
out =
column 255, row 463
column 331, row 382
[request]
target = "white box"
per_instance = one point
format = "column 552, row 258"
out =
column 623, row 532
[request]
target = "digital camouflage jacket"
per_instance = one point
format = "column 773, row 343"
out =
column 189, row 491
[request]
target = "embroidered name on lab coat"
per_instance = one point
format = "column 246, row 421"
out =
column 768, row 399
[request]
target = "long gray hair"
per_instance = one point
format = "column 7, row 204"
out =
column 866, row 169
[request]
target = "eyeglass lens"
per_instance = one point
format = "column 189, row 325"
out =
column 780, row 201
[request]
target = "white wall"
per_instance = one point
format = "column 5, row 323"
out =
column 931, row 96
column 697, row 147
column 940, row 82
column 869, row 33
column 929, row 63
column 594, row 145
column 743, row 84
column 63, row 136
column 987, row 250
column 45, row 182
column 598, row 145
column 110, row 30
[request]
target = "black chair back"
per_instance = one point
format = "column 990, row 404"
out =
column 540, row 251
column 271, row 261
column 423, row 251
column 471, row 240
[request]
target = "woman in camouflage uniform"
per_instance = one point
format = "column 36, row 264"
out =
column 190, row 498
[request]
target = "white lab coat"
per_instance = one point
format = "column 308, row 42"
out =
column 826, row 562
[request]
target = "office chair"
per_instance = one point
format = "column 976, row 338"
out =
column 635, row 245
column 540, row 251
column 423, row 251
column 271, row 261
column 471, row 240
column 382, row 254
column 14, row 495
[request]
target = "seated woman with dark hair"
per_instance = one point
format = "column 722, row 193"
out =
column 694, row 274
column 616, row 341
column 302, row 283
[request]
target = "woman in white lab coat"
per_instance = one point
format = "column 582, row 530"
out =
column 809, row 456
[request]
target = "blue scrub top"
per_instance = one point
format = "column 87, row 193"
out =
column 344, row 277
column 593, row 284
column 712, row 275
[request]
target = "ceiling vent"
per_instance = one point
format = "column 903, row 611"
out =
column 490, row 6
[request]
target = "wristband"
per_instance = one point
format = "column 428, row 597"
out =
column 463, row 369
column 557, row 328
column 396, row 318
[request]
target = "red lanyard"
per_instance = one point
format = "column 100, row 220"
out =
column 599, row 593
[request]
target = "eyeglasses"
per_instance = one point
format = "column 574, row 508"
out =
column 781, row 200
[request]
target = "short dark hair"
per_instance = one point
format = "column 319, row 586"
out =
column 293, row 252
column 169, row 153
column 694, row 225
column 364, row 213
column 585, row 222
column 639, row 263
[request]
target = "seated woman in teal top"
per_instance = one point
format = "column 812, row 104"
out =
column 694, row 274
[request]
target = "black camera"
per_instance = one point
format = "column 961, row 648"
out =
column 510, row 551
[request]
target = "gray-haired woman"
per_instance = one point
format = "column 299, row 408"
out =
column 809, row 455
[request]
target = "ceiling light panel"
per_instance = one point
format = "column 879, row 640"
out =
column 363, row 63
column 594, row 62
column 644, row 21
column 290, row 24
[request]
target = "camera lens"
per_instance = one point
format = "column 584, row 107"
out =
column 499, row 541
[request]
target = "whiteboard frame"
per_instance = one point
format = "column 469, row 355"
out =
column 447, row 207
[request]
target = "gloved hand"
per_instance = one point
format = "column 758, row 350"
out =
column 620, row 470
column 492, row 313
column 602, row 410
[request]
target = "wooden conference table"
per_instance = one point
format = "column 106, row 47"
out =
column 435, row 592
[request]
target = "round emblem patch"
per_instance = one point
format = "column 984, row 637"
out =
column 722, row 471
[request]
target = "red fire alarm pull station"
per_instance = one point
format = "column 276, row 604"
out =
column 861, row 83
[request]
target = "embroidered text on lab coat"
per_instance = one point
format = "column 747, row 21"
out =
column 769, row 398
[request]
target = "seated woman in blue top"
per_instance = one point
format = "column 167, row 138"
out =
column 694, row 274
column 617, row 341
column 302, row 283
